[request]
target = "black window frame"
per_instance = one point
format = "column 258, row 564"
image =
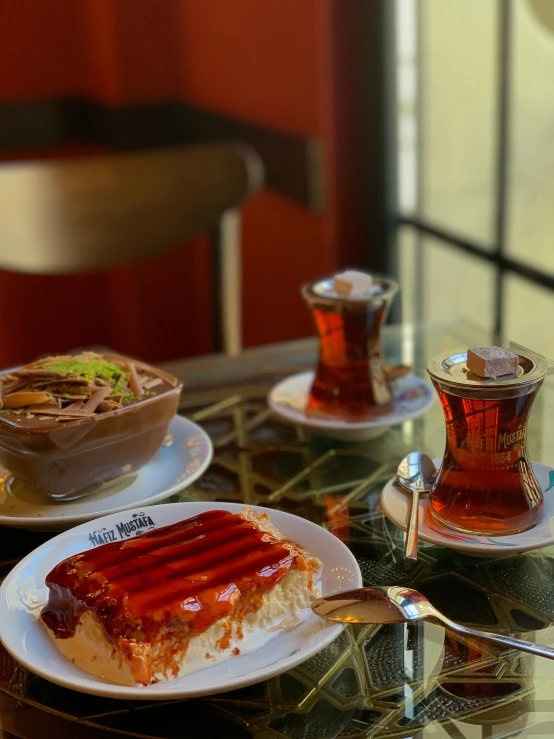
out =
column 383, row 219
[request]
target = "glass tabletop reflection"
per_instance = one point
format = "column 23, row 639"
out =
column 384, row 681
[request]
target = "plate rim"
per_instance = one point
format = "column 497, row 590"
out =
column 39, row 522
column 489, row 549
column 299, row 417
column 112, row 690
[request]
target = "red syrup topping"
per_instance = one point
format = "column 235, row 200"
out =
column 194, row 571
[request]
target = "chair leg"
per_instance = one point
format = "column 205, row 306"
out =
column 228, row 284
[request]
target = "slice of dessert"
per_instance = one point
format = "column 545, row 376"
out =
column 179, row 598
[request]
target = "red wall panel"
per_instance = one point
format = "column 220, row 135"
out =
column 255, row 60
column 282, row 248
column 269, row 63
column 132, row 50
column 276, row 63
column 40, row 49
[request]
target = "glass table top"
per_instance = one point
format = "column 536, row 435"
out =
column 376, row 681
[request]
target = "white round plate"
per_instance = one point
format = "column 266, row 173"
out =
column 23, row 593
column 396, row 504
column 289, row 398
column 174, row 467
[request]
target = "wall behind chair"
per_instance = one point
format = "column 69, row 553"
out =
column 282, row 64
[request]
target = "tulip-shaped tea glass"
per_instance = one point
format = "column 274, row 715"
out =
column 350, row 380
column 486, row 484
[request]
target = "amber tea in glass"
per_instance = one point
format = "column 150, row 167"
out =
column 486, row 484
column 350, row 380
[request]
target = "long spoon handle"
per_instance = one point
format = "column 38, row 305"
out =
column 503, row 641
column 410, row 546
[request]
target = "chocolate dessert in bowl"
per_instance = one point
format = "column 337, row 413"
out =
column 71, row 423
column 486, row 483
column 348, row 310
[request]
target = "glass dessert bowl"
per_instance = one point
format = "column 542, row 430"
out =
column 350, row 381
column 486, row 484
column 69, row 424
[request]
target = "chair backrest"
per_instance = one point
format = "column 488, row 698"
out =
column 83, row 215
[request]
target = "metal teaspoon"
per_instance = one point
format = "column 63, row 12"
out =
column 416, row 474
column 384, row 605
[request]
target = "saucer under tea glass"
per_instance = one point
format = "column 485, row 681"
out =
column 350, row 381
column 486, row 484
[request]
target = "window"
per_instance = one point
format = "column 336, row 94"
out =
column 475, row 164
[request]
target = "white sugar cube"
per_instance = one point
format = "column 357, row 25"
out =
column 353, row 284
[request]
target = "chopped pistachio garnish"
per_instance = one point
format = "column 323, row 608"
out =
column 89, row 370
column 120, row 383
column 78, row 386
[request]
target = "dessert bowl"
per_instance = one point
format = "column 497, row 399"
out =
column 69, row 424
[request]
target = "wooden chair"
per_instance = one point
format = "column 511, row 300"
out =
column 83, row 215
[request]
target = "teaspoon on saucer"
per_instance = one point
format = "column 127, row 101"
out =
column 395, row 604
column 416, row 474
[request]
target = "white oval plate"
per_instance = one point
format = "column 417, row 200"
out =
column 173, row 468
column 23, row 593
column 396, row 505
column 288, row 399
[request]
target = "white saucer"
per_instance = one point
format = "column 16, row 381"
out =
column 23, row 593
column 395, row 505
column 288, row 399
column 173, row 468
